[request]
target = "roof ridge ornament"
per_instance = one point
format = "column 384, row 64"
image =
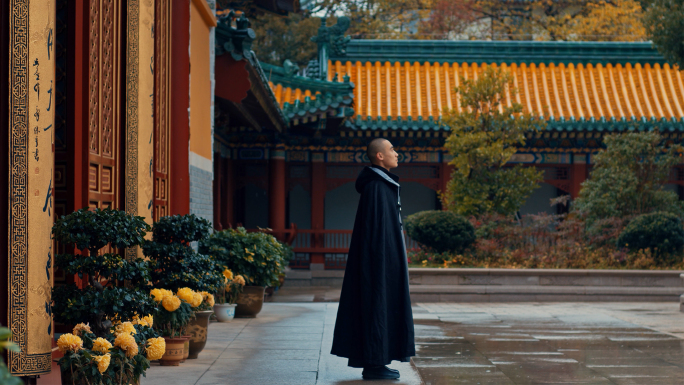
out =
column 237, row 40
column 330, row 39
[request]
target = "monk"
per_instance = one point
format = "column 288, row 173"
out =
column 374, row 323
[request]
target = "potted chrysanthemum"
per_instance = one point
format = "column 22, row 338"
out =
column 177, row 266
column 224, row 309
column 202, row 306
column 120, row 357
column 172, row 316
column 257, row 256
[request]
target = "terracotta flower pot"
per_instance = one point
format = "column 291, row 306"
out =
column 174, row 351
column 224, row 311
column 186, row 348
column 249, row 302
column 197, row 328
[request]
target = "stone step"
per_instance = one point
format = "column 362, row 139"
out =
column 537, row 293
column 546, row 277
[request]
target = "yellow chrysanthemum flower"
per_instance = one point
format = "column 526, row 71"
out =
column 228, row 274
column 81, row 328
column 157, row 294
column 147, row 320
column 69, row 343
column 102, row 362
column 156, row 347
column 101, row 345
column 125, row 327
column 208, row 298
column 171, row 303
column 126, row 342
column 196, row 299
column 240, row 280
column 186, row 294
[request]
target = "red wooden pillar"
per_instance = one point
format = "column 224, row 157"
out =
column 179, row 176
column 444, row 177
column 318, row 184
column 227, row 192
column 277, row 193
column 578, row 174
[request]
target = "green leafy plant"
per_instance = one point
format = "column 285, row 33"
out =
column 105, row 297
column 628, row 178
column 664, row 22
column 258, row 256
column 5, row 344
column 484, row 136
column 121, row 356
column 661, row 232
column 440, row 230
column 174, row 263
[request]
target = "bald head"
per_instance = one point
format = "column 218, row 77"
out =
column 381, row 153
column 374, row 147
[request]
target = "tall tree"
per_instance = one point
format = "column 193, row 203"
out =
column 285, row 37
column 537, row 19
column 448, row 17
column 484, row 136
column 376, row 19
column 629, row 177
column 664, row 20
column 619, row 20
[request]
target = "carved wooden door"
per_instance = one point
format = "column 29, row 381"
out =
column 105, row 106
column 161, row 108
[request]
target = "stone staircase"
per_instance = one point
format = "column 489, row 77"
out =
column 545, row 285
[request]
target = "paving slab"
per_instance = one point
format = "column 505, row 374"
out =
column 550, row 343
column 287, row 344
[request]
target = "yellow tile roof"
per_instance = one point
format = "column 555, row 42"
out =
column 553, row 90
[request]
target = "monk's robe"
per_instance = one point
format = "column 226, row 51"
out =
column 374, row 323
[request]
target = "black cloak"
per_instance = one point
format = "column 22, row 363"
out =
column 374, row 323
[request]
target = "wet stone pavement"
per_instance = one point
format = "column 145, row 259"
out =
column 549, row 344
column 480, row 343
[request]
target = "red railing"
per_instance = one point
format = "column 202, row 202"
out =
column 334, row 244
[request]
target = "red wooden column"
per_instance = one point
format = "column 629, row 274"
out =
column 276, row 193
column 317, row 208
column 179, row 175
column 578, row 174
column 445, row 175
column 227, row 190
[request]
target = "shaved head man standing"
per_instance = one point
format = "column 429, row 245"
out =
column 374, row 323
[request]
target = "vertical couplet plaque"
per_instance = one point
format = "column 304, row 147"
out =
column 31, row 163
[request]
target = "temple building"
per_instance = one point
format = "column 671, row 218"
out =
column 104, row 103
column 300, row 181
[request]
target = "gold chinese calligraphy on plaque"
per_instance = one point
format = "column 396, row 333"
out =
column 32, row 105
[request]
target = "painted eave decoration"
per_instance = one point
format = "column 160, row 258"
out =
column 306, row 99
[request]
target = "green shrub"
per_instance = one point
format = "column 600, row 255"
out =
column 174, row 263
column 258, row 257
column 440, row 230
column 116, row 287
column 659, row 231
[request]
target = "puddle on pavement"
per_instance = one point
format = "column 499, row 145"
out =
column 598, row 351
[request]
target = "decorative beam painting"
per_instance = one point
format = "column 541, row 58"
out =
column 31, row 164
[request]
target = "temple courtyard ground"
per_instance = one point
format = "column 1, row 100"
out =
column 479, row 343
